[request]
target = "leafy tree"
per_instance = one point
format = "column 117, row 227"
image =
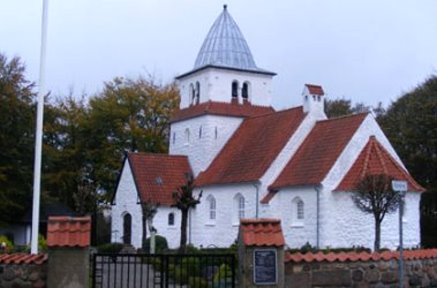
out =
column 17, row 113
column 185, row 200
column 66, row 164
column 129, row 115
column 338, row 107
column 342, row 107
column 375, row 196
column 411, row 125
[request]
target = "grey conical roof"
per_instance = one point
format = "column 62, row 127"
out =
column 225, row 46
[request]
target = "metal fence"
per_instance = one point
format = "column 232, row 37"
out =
column 159, row 270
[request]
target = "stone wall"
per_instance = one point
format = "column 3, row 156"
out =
column 23, row 275
column 362, row 270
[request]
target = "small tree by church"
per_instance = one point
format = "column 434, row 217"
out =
column 375, row 196
column 149, row 211
column 184, row 200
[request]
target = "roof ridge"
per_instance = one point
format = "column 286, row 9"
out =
column 344, row 117
column 156, row 154
column 274, row 113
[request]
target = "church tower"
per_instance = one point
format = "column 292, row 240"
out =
column 223, row 88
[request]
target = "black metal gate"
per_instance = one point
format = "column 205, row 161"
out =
column 159, row 270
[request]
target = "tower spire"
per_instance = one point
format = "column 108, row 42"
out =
column 225, row 46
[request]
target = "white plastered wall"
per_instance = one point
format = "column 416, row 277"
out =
column 171, row 233
column 224, row 230
column 341, row 223
column 126, row 202
column 216, row 85
column 296, row 233
column 202, row 149
column 126, row 199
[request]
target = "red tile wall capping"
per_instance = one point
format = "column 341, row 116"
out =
column 21, row 258
column 68, row 231
column 221, row 108
column 374, row 160
column 252, row 148
column 361, row 256
column 315, row 89
column 318, row 152
column 261, row 232
column 157, row 176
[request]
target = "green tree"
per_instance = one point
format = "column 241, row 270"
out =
column 65, row 155
column 17, row 113
column 342, row 107
column 337, row 107
column 127, row 116
column 411, row 125
column 375, row 196
column 185, row 200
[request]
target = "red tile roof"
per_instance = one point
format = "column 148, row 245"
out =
column 318, row 152
column 157, row 176
column 21, row 258
column 315, row 89
column 68, row 231
column 374, row 160
column 221, row 108
column 261, row 232
column 252, row 148
column 362, row 256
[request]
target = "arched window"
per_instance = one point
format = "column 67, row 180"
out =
column 239, row 208
column 212, row 207
column 298, row 211
column 245, row 91
column 192, row 94
column 127, row 228
column 187, row 136
column 235, row 89
column 197, row 92
column 171, row 219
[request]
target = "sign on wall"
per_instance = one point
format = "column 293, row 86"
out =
column 265, row 266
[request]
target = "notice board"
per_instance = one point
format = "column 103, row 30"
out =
column 265, row 266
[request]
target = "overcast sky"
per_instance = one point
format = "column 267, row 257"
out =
column 363, row 50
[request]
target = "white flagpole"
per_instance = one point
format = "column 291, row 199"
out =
column 39, row 133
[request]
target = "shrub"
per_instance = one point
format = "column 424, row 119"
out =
column 113, row 248
column 42, row 244
column 308, row 248
column 7, row 245
column 198, row 282
column 223, row 271
column 160, row 244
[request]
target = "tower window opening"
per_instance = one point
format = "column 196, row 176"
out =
column 192, row 94
column 245, row 91
column 197, row 100
column 235, row 89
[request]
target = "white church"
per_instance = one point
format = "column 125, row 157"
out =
column 251, row 161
